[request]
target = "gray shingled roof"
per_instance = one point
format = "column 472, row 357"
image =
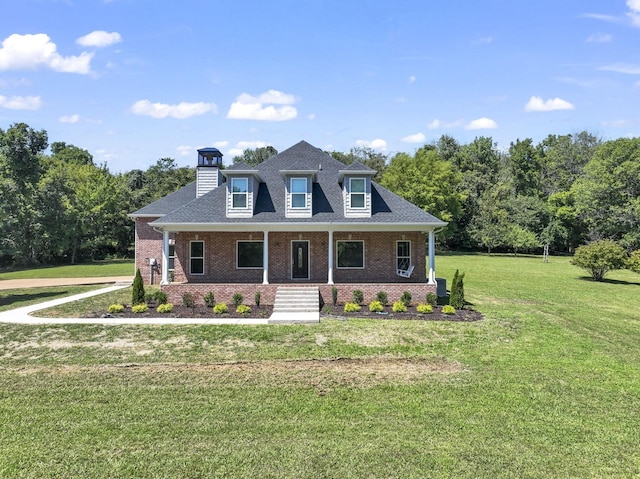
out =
column 169, row 203
column 328, row 207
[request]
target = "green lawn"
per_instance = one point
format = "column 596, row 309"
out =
column 547, row 385
column 123, row 267
column 17, row 298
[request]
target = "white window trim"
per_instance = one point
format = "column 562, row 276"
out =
column 351, row 267
column 306, row 192
column 197, row 257
column 237, row 252
column 363, row 193
column 245, row 193
column 398, row 257
column 171, row 256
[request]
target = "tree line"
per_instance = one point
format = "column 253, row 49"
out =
column 565, row 191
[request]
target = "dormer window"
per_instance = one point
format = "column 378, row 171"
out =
column 298, row 190
column 239, row 192
column 357, row 191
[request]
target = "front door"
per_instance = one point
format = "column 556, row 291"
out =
column 300, row 260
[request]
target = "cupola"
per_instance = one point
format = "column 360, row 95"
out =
column 208, row 176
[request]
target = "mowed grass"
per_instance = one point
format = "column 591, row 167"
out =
column 121, row 267
column 547, row 385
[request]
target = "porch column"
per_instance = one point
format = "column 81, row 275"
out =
column 265, row 259
column 330, row 256
column 432, row 257
column 165, row 257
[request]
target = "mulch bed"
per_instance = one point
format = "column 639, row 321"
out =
column 336, row 312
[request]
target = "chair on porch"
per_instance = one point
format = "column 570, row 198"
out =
column 405, row 273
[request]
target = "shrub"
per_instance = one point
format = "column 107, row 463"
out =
column 599, row 258
column 256, row 299
column 243, row 309
column 161, row 297
column 140, row 308
column 448, row 309
column 164, row 308
column 220, row 308
column 351, row 307
column 357, row 296
column 137, row 292
column 209, row 299
column 149, row 298
column 399, row 307
column 406, row 298
column 424, row 308
column 376, row 306
column 172, row 276
column 456, row 298
column 237, row 299
column 382, row 298
column 115, row 308
column 188, row 301
column 334, row 295
column 432, row 299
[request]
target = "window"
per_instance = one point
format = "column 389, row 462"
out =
column 350, row 254
column 196, row 257
column 298, row 192
column 172, row 257
column 357, row 191
column 249, row 254
column 239, row 189
column 403, row 255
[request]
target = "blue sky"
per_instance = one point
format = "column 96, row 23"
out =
column 136, row 80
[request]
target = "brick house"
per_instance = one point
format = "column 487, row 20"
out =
column 299, row 218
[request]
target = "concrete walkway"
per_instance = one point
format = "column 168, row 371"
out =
column 23, row 315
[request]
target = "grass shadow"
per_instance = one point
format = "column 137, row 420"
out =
column 10, row 299
column 609, row 281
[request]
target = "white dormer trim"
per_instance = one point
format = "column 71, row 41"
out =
column 356, row 196
column 299, row 198
column 241, row 202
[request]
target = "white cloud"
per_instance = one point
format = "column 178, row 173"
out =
column 485, row 40
column 437, row 124
column 483, row 123
column 28, row 52
column 184, row 150
column 69, row 119
column 599, row 38
column 247, row 107
column 634, row 12
column 604, row 18
column 622, row 68
column 250, row 145
column 415, row 138
column 180, row 111
column 434, row 125
column 221, row 144
column 615, row 123
column 311, row 116
column 21, row 102
column 412, row 79
column 536, row 103
column 99, row 38
column 376, row 144
column 233, row 152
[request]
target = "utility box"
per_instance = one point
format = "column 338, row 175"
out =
column 441, row 289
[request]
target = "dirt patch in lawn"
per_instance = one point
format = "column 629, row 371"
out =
column 322, row 374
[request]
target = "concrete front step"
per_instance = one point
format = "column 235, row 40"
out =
column 296, row 304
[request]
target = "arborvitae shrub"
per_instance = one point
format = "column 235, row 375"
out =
column 334, row 295
column 406, row 298
column 149, row 298
column 382, row 297
column 137, row 291
column 209, row 299
column 357, row 296
column 237, row 299
column 256, row 299
column 456, row 298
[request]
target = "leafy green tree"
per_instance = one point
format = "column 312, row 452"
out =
column 521, row 239
column 599, row 258
column 365, row 155
column 524, row 166
column 70, row 153
column 255, row 156
column 428, row 182
column 633, row 263
column 490, row 226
